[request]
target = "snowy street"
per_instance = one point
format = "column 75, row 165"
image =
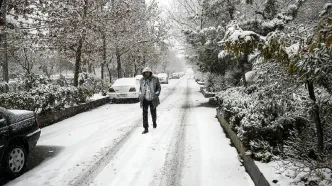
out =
column 260, row 67
column 105, row 146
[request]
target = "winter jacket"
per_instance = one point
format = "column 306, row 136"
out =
column 155, row 88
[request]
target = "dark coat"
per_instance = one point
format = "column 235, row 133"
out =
column 155, row 88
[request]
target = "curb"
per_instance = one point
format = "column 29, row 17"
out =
column 56, row 116
column 249, row 164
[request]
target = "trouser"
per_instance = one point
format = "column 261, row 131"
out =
column 153, row 110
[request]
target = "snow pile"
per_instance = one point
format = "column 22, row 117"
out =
column 293, row 49
column 223, row 54
column 236, row 34
column 272, row 23
column 97, row 96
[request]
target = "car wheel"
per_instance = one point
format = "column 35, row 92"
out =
column 15, row 160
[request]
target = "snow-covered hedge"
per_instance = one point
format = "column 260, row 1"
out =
column 45, row 98
column 274, row 115
column 91, row 82
column 217, row 83
column 37, row 93
column 264, row 114
column 4, row 87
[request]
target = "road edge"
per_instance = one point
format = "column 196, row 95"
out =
column 57, row 116
column 256, row 175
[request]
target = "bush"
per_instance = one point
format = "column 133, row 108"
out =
column 90, row 82
column 217, row 83
column 274, row 116
column 37, row 93
column 4, row 87
column 45, row 98
column 265, row 114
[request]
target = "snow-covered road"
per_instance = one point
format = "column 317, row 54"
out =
column 105, row 146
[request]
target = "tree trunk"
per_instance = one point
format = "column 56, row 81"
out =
column 90, row 67
column 104, row 56
column 230, row 9
column 110, row 73
column 27, row 63
column 243, row 70
column 135, row 72
column 5, row 62
column 79, row 47
column 144, row 60
column 316, row 116
column 78, row 61
column 202, row 19
column 118, row 61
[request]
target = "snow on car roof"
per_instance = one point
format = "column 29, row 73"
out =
column 138, row 77
column 162, row 75
column 125, row 81
column 14, row 111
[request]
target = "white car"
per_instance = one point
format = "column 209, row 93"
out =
column 124, row 88
column 181, row 74
column 138, row 78
column 175, row 76
column 163, row 78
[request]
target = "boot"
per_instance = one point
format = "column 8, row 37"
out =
column 146, row 130
column 155, row 125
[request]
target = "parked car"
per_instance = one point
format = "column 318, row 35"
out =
column 124, row 89
column 175, row 76
column 163, row 78
column 181, row 74
column 138, row 78
column 19, row 133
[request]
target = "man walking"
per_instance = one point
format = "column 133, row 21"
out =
column 149, row 97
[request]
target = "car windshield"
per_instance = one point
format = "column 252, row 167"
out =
column 124, row 81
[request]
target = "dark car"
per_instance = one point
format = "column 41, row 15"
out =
column 19, row 133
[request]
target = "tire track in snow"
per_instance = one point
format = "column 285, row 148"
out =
column 172, row 169
column 92, row 172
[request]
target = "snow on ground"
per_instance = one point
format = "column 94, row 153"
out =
column 209, row 158
column 105, row 146
column 97, row 96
